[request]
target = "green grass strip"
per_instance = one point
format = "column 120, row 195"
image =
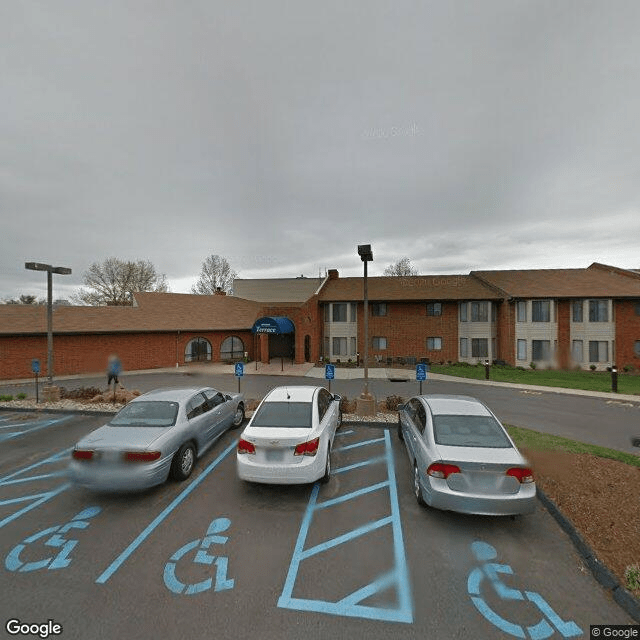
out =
column 530, row 439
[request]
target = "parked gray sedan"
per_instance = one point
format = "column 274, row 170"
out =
column 462, row 457
column 158, row 434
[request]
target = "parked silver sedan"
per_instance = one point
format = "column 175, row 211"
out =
column 157, row 435
column 462, row 457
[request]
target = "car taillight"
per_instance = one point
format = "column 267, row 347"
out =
column 82, row 454
column 442, row 470
column 246, row 447
column 523, row 474
column 141, row 456
column 309, row 448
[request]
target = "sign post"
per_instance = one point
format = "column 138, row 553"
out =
column 35, row 367
column 421, row 374
column 239, row 372
column 329, row 373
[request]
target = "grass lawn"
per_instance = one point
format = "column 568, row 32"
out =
column 586, row 380
column 530, row 439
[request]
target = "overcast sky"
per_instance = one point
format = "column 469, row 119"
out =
column 280, row 135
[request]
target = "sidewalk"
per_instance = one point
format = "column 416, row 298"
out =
column 286, row 368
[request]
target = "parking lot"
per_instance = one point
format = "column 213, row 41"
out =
column 215, row 556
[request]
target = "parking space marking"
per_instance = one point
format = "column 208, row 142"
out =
column 397, row 577
column 38, row 498
column 35, row 425
column 118, row 562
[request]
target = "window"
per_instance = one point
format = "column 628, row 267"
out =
column 339, row 312
column 540, row 311
column 197, row 406
column 324, row 402
column 638, row 308
column 353, row 346
column 327, row 313
column 540, row 350
column 598, row 351
column 379, row 344
column 577, row 350
column 379, row 309
column 214, row 399
column 354, row 310
column 434, row 308
column 577, row 311
column 598, row 312
column 339, row 346
column 464, row 347
column 464, row 311
column 479, row 312
column 522, row 350
column 434, row 344
column 479, row 347
column 521, row 311
column 232, row 348
column 636, row 348
column 197, row 350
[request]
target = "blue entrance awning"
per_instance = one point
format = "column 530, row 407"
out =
column 273, row 324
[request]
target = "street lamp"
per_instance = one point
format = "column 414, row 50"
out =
column 39, row 266
column 366, row 403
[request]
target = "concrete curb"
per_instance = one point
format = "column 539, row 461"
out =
column 600, row 572
column 80, row 412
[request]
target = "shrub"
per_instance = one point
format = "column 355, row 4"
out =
column 392, row 402
column 22, row 396
column 632, row 576
column 592, row 367
column 627, row 368
column 6, row 398
column 532, row 365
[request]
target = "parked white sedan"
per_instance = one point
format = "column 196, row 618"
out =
column 289, row 438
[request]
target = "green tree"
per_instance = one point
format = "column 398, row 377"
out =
column 114, row 281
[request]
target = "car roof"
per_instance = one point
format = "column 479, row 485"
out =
column 455, row 405
column 171, row 394
column 301, row 393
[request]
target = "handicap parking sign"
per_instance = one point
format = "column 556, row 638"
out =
column 239, row 369
column 329, row 372
column 35, row 365
column 421, row 371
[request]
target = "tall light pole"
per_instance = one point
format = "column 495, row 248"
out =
column 39, row 266
column 366, row 403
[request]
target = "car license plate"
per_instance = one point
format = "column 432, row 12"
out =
column 274, row 455
column 110, row 455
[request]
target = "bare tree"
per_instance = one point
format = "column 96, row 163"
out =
column 401, row 268
column 113, row 282
column 26, row 299
column 216, row 273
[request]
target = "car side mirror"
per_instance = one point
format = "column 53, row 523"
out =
column 337, row 397
column 400, row 407
column 227, row 398
column 635, row 441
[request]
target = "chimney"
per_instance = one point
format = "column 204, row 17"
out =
column 220, row 292
column 333, row 274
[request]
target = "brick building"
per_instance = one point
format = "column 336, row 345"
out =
column 553, row 317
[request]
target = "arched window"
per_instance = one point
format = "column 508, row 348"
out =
column 197, row 350
column 232, row 348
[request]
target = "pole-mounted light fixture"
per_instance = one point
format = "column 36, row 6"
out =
column 366, row 255
column 65, row 271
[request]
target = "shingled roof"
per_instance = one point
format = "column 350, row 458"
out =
column 386, row 288
column 274, row 290
column 152, row 312
column 597, row 281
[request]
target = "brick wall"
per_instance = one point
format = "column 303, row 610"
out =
column 563, row 354
column 407, row 327
column 506, row 335
column 627, row 323
column 88, row 353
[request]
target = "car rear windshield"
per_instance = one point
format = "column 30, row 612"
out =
column 283, row 414
column 146, row 414
column 469, row 431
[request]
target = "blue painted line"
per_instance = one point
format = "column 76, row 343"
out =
column 117, row 563
column 38, row 426
column 355, row 533
column 358, row 465
column 359, row 444
column 354, row 494
column 56, row 457
column 397, row 577
column 56, row 474
column 43, row 497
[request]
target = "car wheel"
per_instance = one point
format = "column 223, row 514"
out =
column 417, row 491
column 400, row 434
column 238, row 418
column 183, row 462
column 327, row 470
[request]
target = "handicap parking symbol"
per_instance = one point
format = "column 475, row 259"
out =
column 61, row 560
column 202, row 556
column 484, row 552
